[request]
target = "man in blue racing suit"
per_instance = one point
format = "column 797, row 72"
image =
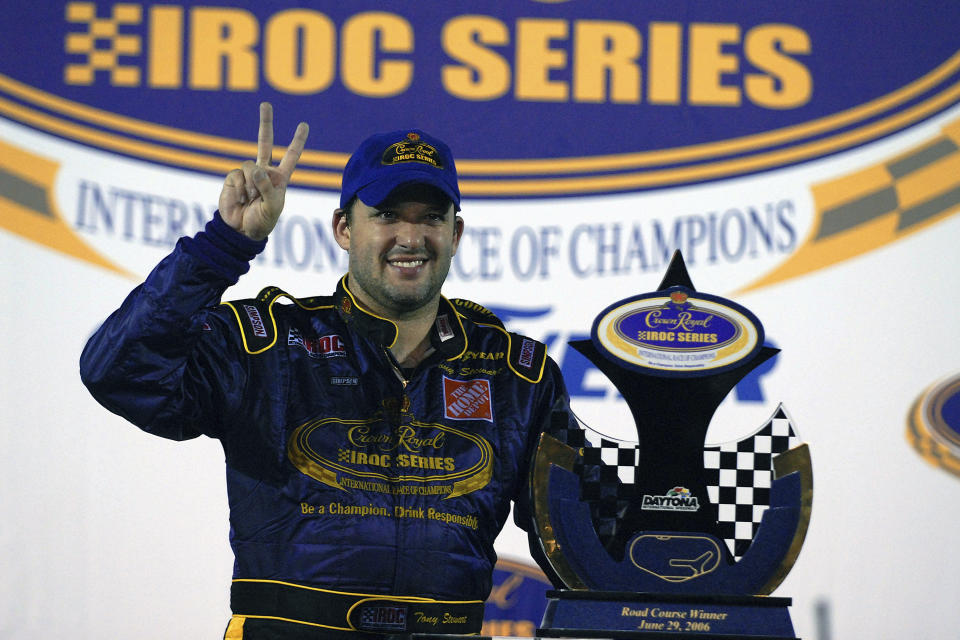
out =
column 373, row 438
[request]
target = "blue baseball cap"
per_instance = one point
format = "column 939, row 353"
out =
column 385, row 161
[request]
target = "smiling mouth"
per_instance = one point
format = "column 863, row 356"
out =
column 407, row 264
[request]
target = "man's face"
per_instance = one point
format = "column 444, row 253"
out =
column 400, row 250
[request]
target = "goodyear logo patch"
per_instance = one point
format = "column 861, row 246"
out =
column 467, row 399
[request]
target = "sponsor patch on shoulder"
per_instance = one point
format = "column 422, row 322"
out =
column 467, row 399
column 527, row 349
column 344, row 381
column 256, row 321
column 444, row 328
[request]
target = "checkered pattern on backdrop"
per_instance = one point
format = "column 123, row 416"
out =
column 739, row 477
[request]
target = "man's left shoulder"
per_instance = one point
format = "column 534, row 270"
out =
column 258, row 318
column 524, row 356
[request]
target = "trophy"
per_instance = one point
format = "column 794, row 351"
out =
column 670, row 535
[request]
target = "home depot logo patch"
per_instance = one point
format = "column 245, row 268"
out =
column 467, row 399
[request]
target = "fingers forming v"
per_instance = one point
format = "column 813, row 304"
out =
column 292, row 156
column 265, row 135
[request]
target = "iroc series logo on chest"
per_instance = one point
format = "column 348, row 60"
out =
column 378, row 454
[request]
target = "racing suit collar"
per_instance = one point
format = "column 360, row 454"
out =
column 447, row 335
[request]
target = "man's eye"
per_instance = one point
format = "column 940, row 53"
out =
column 386, row 215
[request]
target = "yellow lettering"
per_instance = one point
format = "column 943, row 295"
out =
column 221, row 42
column 787, row 83
column 514, row 628
column 448, row 618
column 535, row 59
column 664, row 47
column 297, row 69
column 708, row 63
column 484, row 75
column 360, row 70
column 165, row 55
column 606, row 49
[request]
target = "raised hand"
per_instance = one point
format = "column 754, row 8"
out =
column 252, row 196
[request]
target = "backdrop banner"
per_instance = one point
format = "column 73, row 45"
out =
column 803, row 157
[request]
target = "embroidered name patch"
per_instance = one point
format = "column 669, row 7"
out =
column 467, row 399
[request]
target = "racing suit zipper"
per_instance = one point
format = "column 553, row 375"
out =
column 396, row 368
column 396, row 424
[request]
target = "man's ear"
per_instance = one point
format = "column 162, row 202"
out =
column 457, row 232
column 341, row 230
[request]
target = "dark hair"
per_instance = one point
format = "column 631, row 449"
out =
column 348, row 209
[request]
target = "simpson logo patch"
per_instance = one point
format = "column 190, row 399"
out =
column 322, row 347
column 255, row 321
column 527, row 349
column 467, row 399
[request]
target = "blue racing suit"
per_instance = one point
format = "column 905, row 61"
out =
column 344, row 473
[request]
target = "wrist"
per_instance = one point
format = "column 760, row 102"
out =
column 224, row 248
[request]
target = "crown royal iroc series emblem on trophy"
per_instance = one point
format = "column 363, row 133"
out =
column 672, row 535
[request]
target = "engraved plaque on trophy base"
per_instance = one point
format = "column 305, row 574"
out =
column 621, row 614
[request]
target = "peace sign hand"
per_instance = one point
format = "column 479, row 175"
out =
column 252, row 196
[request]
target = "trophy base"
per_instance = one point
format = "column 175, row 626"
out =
column 621, row 614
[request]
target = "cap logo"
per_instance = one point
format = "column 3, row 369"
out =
column 413, row 149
